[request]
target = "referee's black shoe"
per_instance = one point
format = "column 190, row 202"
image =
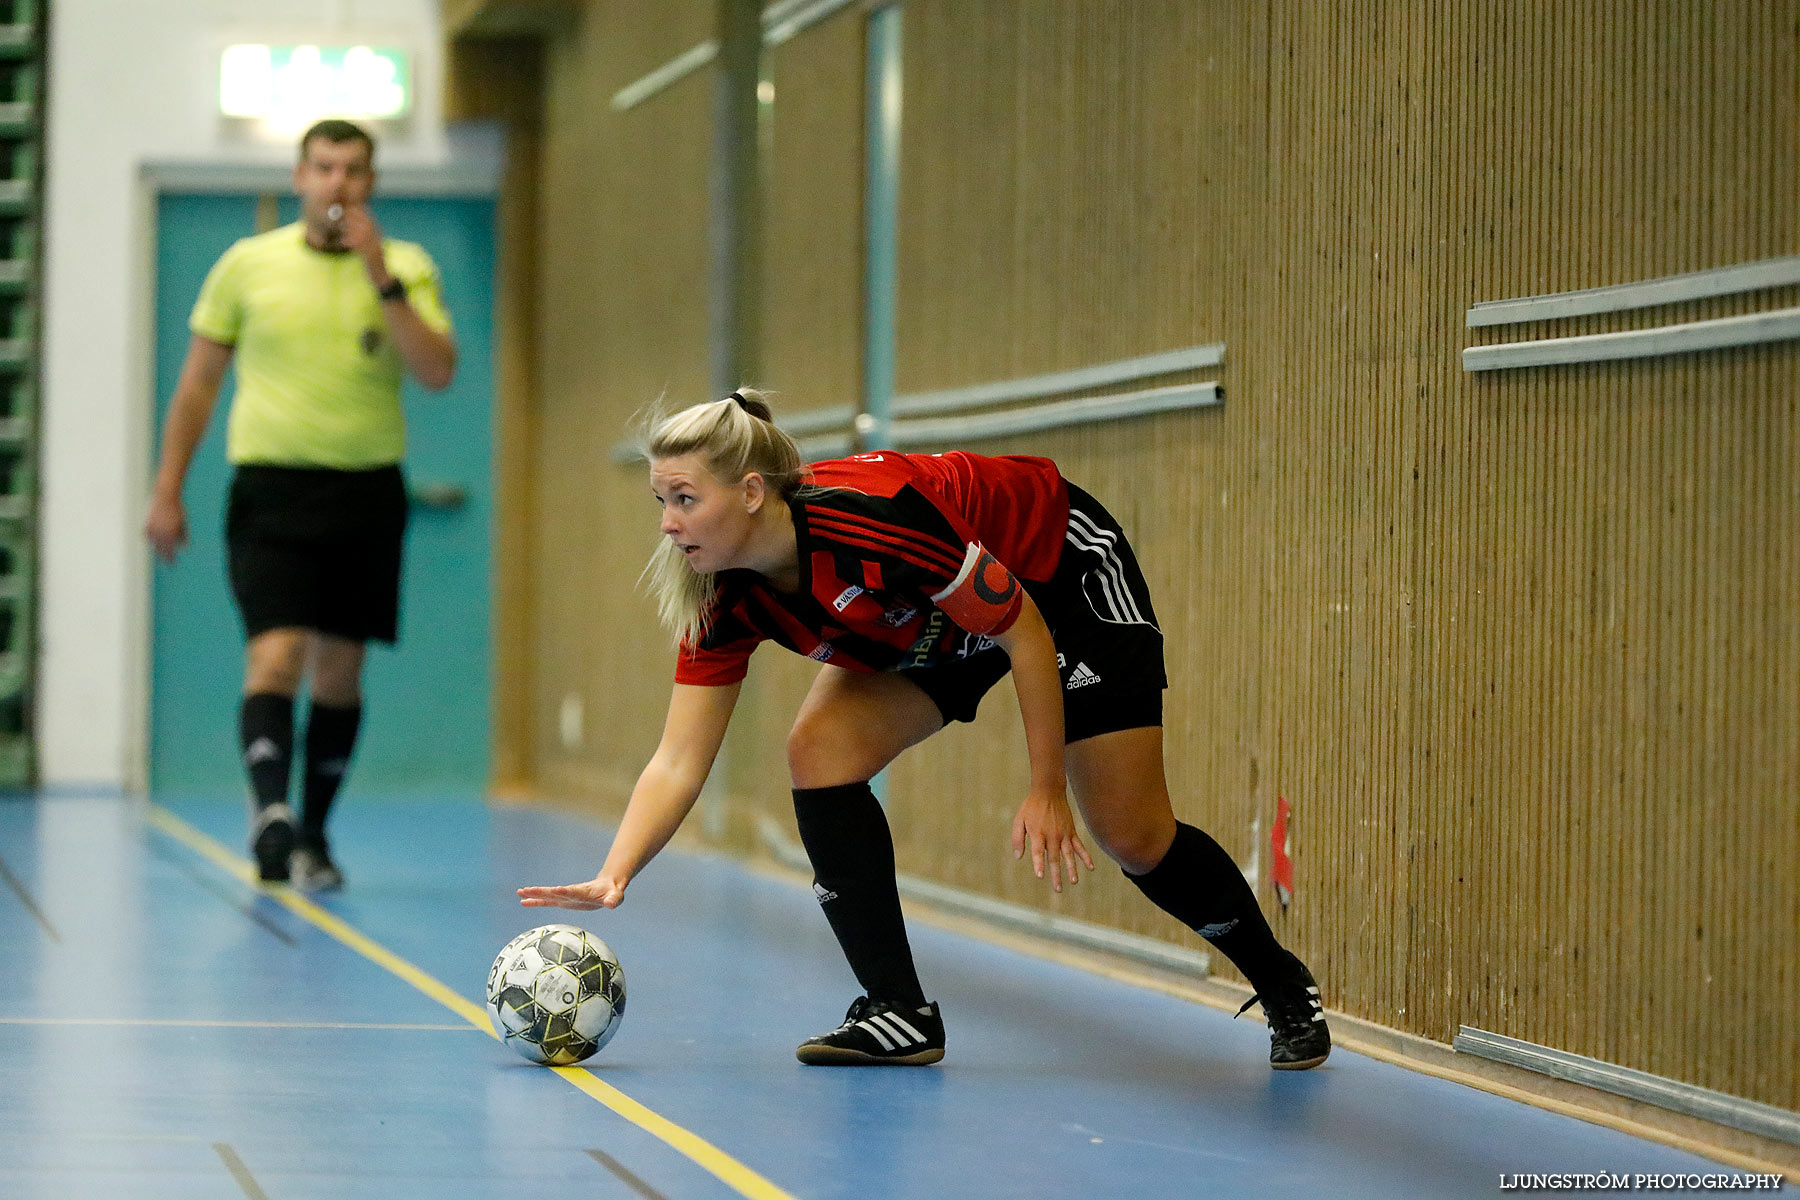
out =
column 272, row 840
column 876, row 1033
column 1298, row 1035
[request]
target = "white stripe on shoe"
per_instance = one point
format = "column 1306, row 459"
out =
column 897, row 1019
column 875, row 1031
column 892, row 1026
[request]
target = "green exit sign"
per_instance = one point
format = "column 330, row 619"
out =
column 301, row 83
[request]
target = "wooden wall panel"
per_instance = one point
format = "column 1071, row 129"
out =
column 1334, row 364
column 812, row 321
column 501, row 80
column 1606, row 710
column 623, row 321
column 1074, row 178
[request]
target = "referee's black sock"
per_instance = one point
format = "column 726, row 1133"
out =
column 266, row 734
column 330, row 737
column 1199, row 885
column 846, row 837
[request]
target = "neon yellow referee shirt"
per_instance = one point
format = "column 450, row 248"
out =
column 318, row 377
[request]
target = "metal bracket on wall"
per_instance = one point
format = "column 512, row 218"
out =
column 1750, row 329
column 1761, row 1119
column 834, row 431
column 781, row 21
column 981, row 413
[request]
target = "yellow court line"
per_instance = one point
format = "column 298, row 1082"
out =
column 691, row 1145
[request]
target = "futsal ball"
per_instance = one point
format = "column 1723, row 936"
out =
column 556, row 994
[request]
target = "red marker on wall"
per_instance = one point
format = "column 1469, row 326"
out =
column 1282, row 869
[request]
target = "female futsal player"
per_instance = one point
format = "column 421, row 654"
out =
column 917, row 581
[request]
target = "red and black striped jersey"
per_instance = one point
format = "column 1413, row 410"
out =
column 906, row 560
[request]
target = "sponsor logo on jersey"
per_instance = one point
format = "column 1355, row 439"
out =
column 821, row 653
column 845, row 597
column 920, row 654
column 974, row 643
column 894, row 618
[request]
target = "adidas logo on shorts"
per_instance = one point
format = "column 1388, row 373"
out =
column 1081, row 676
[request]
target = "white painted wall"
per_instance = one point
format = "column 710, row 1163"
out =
column 135, row 81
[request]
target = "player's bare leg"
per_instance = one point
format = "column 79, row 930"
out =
column 1119, row 783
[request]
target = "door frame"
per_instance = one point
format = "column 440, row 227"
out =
column 475, row 176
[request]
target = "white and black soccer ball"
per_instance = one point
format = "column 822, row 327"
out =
column 556, row 994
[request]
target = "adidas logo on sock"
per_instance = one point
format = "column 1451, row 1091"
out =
column 1081, row 676
column 261, row 750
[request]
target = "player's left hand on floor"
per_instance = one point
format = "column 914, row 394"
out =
column 1047, row 827
column 595, row 893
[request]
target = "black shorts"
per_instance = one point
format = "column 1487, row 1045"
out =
column 1108, row 646
column 317, row 548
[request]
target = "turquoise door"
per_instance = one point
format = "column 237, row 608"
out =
column 426, row 700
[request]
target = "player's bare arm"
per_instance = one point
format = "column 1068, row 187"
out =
column 664, row 795
column 1044, row 824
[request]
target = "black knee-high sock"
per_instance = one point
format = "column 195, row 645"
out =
column 852, row 852
column 1199, row 885
column 330, row 737
column 266, row 735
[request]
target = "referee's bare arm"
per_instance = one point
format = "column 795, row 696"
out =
column 190, row 411
column 429, row 355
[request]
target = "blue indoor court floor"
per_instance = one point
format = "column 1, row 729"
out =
column 167, row 1029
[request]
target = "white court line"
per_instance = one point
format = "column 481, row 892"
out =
column 198, row 1024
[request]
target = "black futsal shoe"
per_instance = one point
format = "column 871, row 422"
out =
column 272, row 841
column 1298, row 1035
column 310, row 864
column 876, row 1033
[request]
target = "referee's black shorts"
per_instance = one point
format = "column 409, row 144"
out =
column 1108, row 646
column 317, row 548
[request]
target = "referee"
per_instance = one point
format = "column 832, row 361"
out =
column 322, row 317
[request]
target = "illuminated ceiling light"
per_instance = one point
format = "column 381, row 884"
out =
column 295, row 84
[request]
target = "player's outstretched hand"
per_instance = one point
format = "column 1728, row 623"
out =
column 1045, row 825
column 599, row 892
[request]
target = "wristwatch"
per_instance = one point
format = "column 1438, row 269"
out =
column 395, row 290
